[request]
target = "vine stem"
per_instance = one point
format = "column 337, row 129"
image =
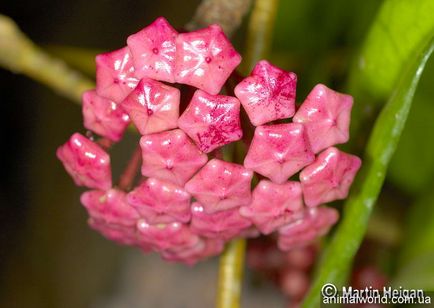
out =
column 259, row 36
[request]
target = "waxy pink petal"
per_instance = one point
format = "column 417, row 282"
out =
column 330, row 177
column 268, row 94
column 315, row 223
column 203, row 249
column 103, row 116
column 211, row 120
column 153, row 50
column 205, row 59
column 124, row 235
column 86, row 162
column 170, row 156
column 326, row 115
column 110, row 207
column 274, row 205
column 279, row 151
column 222, row 225
column 220, row 185
column 160, row 202
column 166, row 236
column 153, row 106
column 115, row 77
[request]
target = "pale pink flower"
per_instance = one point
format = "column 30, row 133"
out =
column 221, row 185
column 205, row 59
column 203, row 249
column 279, row 151
column 315, row 222
column 123, row 235
column 153, row 106
column 222, row 225
column 326, row 115
column 170, row 156
column 160, row 202
column 329, row 178
column 153, row 49
column 86, row 162
column 103, row 116
column 268, row 94
column 211, row 120
column 115, row 77
column 274, row 205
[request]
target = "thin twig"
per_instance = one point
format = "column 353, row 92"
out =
column 126, row 180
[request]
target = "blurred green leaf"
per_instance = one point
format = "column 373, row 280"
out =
column 82, row 59
column 399, row 29
column 417, row 274
column 382, row 143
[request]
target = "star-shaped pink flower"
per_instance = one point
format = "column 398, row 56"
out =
column 204, row 248
column 330, row 177
column 205, row 59
column 315, row 223
column 279, row 151
column 160, row 202
column 274, row 205
column 110, row 207
column 103, row 116
column 86, row 162
column 326, row 115
column 124, row 235
column 268, row 94
column 170, row 156
column 221, row 185
column 166, row 236
column 153, row 49
column 222, row 225
column 153, row 106
column 211, row 120
column 115, row 77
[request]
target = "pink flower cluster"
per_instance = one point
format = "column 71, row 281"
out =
column 190, row 201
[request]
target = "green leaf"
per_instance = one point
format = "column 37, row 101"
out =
column 382, row 143
column 417, row 274
column 399, row 29
column 81, row 58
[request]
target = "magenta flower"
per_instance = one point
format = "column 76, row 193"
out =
column 221, row 225
column 326, row 115
column 120, row 234
column 205, row 59
column 220, row 185
column 115, row 77
column 170, row 156
column 279, row 151
column 86, row 162
column 109, row 207
column 103, row 116
column 315, row 223
column 153, row 50
column 274, row 205
column 211, row 120
column 268, row 94
column 329, row 178
column 153, row 106
column 204, row 248
column 160, row 202
column 166, row 236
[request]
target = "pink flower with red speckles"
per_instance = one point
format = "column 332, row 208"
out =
column 193, row 195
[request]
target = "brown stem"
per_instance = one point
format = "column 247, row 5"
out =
column 127, row 178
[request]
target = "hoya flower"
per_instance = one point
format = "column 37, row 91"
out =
column 115, row 76
column 279, row 151
column 103, row 116
column 153, row 50
column 153, row 106
column 211, row 120
column 268, row 94
column 86, row 162
column 205, row 59
column 330, row 177
column 203, row 249
column 123, row 235
column 274, row 205
column 314, row 223
column 170, row 156
column 160, row 202
column 326, row 116
column 221, row 185
column 221, row 225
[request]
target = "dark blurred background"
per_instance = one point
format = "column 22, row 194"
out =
column 48, row 255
